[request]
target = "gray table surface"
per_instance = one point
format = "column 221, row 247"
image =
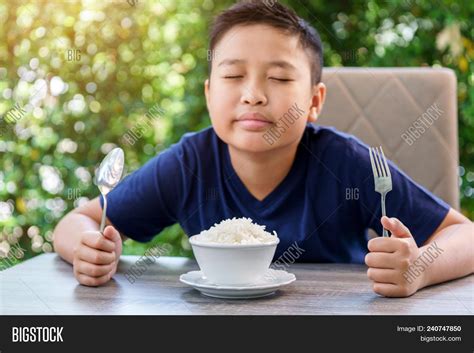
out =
column 45, row 285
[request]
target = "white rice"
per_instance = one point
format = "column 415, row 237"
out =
column 236, row 231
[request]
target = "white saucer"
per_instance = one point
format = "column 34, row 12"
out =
column 272, row 280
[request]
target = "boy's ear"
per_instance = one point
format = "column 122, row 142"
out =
column 206, row 92
column 317, row 102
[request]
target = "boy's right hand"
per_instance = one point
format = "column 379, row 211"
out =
column 96, row 257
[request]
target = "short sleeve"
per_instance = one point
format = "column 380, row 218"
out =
column 140, row 206
column 420, row 210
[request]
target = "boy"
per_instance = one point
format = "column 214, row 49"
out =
column 262, row 159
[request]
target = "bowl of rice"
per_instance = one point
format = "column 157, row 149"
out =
column 234, row 252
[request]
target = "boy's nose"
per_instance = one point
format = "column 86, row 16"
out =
column 253, row 96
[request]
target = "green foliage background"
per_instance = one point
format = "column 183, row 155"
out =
column 155, row 52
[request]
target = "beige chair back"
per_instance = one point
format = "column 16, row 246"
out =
column 411, row 112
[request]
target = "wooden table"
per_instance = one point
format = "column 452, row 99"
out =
column 45, row 285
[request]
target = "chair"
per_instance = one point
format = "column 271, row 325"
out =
column 391, row 107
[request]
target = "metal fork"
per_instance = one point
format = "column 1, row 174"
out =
column 382, row 176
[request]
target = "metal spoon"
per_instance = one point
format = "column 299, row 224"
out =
column 108, row 176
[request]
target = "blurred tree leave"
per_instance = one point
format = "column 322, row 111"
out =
column 75, row 76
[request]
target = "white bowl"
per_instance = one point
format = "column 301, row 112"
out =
column 233, row 264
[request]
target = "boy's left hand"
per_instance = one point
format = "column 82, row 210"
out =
column 389, row 259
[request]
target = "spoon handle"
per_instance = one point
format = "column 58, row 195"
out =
column 104, row 211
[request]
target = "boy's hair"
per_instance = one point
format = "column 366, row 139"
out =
column 274, row 14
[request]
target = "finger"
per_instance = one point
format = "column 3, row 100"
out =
column 92, row 270
column 396, row 227
column 381, row 260
column 95, row 256
column 92, row 281
column 388, row 245
column 96, row 241
column 389, row 290
column 382, row 244
column 111, row 233
column 382, row 275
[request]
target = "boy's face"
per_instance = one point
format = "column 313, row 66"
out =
column 259, row 69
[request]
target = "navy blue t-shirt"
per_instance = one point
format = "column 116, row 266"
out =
column 324, row 205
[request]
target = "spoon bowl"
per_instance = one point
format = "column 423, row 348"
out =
column 108, row 175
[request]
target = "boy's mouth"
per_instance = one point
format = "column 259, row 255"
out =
column 253, row 121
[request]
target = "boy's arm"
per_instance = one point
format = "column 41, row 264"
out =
column 68, row 232
column 399, row 268
column 455, row 239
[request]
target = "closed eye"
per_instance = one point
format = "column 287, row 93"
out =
column 281, row 79
column 233, row 76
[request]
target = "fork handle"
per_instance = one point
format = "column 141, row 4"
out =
column 384, row 232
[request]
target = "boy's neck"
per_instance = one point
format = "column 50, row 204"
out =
column 262, row 172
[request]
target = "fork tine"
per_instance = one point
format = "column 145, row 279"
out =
column 382, row 166
column 377, row 163
column 385, row 161
column 374, row 169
